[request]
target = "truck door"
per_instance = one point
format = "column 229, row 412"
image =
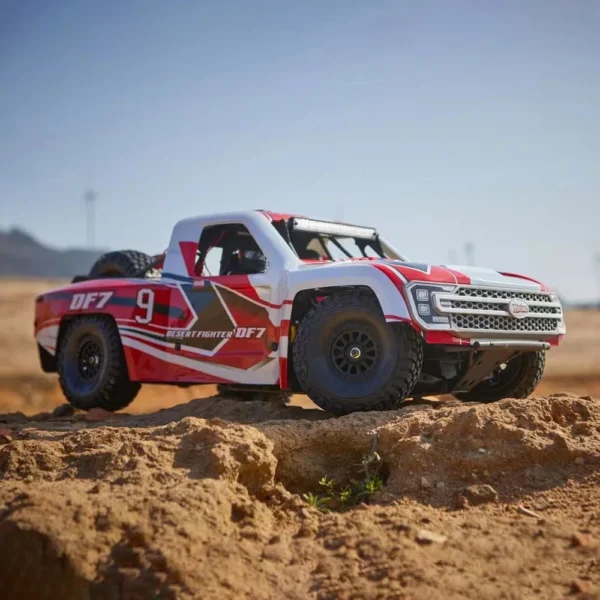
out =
column 234, row 333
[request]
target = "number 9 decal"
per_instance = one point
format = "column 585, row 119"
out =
column 145, row 300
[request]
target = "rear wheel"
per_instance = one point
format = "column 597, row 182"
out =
column 347, row 358
column 516, row 379
column 91, row 365
column 123, row 263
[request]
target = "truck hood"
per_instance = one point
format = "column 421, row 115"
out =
column 446, row 274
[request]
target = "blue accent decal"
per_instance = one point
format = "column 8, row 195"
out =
column 178, row 277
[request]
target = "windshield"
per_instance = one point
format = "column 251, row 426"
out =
column 324, row 240
column 321, row 246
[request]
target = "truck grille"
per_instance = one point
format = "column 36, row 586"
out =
column 487, row 310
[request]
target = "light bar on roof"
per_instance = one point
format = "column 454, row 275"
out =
column 334, row 228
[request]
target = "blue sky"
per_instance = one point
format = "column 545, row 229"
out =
column 439, row 122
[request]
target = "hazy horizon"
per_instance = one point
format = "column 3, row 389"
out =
column 438, row 123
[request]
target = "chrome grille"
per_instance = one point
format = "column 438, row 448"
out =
column 486, row 310
column 506, row 294
column 551, row 310
column 484, row 322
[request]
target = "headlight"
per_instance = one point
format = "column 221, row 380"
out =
column 424, row 310
column 421, row 297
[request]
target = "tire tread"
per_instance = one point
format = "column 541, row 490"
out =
column 118, row 391
column 403, row 380
column 524, row 386
column 131, row 263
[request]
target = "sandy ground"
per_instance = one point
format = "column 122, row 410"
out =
column 202, row 497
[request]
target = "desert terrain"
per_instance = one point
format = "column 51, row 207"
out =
column 188, row 495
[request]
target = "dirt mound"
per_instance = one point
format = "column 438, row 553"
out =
column 479, row 501
column 450, row 445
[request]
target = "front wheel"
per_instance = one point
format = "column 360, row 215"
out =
column 347, row 358
column 516, row 379
column 91, row 365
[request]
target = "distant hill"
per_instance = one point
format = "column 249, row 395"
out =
column 23, row 255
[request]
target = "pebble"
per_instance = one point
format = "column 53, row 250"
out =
column 461, row 501
column 64, row 410
column 425, row 536
column 580, row 460
column 582, row 540
column 580, row 586
column 479, row 494
column 528, row 513
column 541, row 504
column 425, row 483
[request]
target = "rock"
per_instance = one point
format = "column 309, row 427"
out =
column 441, row 486
column 541, row 504
column 461, row 501
column 424, row 536
column 581, row 586
column 62, row 411
column 582, row 540
column 580, row 460
column 479, row 494
column 425, row 483
column 5, row 436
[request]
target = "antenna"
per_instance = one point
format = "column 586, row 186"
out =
column 597, row 260
column 89, row 199
column 470, row 252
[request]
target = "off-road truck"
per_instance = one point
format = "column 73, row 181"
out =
column 266, row 304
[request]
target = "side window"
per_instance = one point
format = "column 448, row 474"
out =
column 212, row 262
column 229, row 249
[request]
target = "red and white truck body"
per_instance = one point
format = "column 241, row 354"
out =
column 187, row 326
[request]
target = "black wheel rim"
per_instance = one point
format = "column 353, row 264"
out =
column 90, row 360
column 354, row 353
column 84, row 363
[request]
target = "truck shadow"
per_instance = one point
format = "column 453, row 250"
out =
column 214, row 407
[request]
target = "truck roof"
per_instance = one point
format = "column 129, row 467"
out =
column 276, row 216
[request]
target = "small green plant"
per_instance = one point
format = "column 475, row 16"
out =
column 328, row 484
column 336, row 498
column 316, row 501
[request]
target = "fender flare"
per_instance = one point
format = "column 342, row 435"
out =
column 385, row 282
